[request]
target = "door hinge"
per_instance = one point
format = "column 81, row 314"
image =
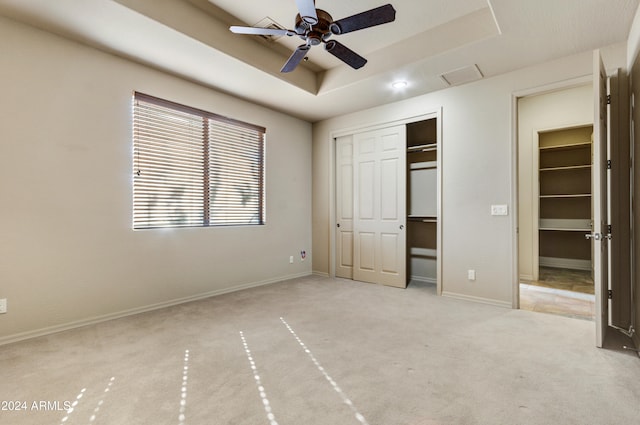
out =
column 608, row 99
column 608, row 228
column 608, row 164
column 610, row 294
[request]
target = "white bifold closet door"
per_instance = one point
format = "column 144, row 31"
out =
column 344, row 207
column 371, row 220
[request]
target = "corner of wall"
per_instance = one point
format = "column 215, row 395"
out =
column 633, row 41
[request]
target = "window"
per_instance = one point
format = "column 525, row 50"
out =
column 194, row 168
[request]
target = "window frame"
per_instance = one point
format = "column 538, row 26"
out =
column 209, row 119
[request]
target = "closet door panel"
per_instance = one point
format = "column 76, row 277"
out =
column 366, row 145
column 345, row 245
column 366, row 190
column 346, row 195
column 379, row 212
column 344, row 207
column 389, row 250
column 389, row 190
column 366, row 252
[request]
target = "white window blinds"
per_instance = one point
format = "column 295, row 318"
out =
column 194, row 168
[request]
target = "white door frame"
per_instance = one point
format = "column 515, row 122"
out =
column 548, row 88
column 332, row 183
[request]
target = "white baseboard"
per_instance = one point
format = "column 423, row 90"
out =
column 497, row 303
column 321, row 274
column 565, row 263
column 106, row 317
column 526, row 277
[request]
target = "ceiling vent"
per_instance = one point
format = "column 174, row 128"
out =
column 271, row 24
column 462, row 75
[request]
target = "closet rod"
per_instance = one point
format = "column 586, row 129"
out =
column 422, row 219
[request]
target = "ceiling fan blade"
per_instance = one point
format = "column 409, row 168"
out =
column 307, row 9
column 261, row 31
column 370, row 18
column 345, row 54
column 295, row 58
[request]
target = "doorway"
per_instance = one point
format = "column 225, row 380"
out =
column 555, row 202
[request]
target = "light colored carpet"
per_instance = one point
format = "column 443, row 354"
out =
column 322, row 351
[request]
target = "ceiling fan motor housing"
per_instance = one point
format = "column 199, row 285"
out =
column 314, row 34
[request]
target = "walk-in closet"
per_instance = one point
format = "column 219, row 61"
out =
column 565, row 198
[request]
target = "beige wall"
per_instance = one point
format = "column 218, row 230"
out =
column 478, row 170
column 559, row 109
column 68, row 254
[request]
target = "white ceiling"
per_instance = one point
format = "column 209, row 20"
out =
column 190, row 38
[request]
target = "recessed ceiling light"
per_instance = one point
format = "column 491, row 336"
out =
column 399, row 85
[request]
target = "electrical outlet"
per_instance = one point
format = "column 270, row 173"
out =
column 291, row 259
column 471, row 274
column 3, row 305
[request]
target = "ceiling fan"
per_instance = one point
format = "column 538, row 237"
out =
column 315, row 26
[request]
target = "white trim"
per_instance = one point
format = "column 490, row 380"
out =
column 440, row 203
column 348, row 131
column 106, row 317
column 526, row 277
column 514, row 171
column 559, row 85
column 505, row 304
column 565, row 263
column 495, row 19
column 535, row 203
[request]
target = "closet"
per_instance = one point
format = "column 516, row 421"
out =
column 565, row 198
column 422, row 200
column 387, row 203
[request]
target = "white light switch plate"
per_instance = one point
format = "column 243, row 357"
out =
column 3, row 305
column 499, row 210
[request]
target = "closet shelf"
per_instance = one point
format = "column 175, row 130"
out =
column 567, row 167
column 566, row 146
column 426, row 165
column 558, row 229
column 423, row 252
column 565, row 224
column 573, row 195
column 423, row 148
